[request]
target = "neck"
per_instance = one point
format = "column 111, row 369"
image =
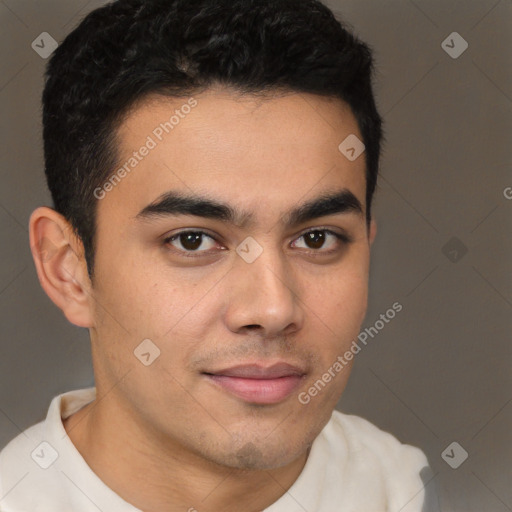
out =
column 155, row 474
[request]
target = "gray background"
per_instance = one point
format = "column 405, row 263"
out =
column 440, row 371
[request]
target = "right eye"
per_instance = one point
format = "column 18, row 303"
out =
column 190, row 241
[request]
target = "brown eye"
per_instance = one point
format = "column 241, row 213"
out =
column 318, row 239
column 190, row 241
column 314, row 239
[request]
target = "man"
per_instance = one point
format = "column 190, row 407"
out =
column 212, row 165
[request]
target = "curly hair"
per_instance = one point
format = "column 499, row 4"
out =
column 128, row 49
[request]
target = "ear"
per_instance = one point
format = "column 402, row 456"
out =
column 373, row 231
column 60, row 264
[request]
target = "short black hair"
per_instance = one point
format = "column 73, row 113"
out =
column 130, row 49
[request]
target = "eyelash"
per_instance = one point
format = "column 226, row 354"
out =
column 344, row 239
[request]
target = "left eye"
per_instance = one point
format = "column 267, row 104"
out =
column 192, row 241
column 317, row 238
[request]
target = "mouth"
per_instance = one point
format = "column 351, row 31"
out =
column 258, row 384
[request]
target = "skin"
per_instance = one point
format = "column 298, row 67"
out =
column 163, row 436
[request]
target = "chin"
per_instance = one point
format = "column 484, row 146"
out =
column 261, row 454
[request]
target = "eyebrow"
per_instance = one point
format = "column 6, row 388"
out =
column 175, row 203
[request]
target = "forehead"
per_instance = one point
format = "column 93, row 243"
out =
column 221, row 117
column 256, row 153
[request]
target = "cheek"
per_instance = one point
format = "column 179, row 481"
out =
column 350, row 299
column 340, row 299
column 139, row 295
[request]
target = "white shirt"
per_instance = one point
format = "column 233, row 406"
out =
column 353, row 466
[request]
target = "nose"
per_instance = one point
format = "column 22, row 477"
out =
column 263, row 297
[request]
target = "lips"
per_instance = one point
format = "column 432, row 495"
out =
column 258, row 384
column 254, row 371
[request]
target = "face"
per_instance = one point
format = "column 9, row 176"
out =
column 250, row 295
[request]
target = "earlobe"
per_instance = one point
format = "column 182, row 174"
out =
column 60, row 265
